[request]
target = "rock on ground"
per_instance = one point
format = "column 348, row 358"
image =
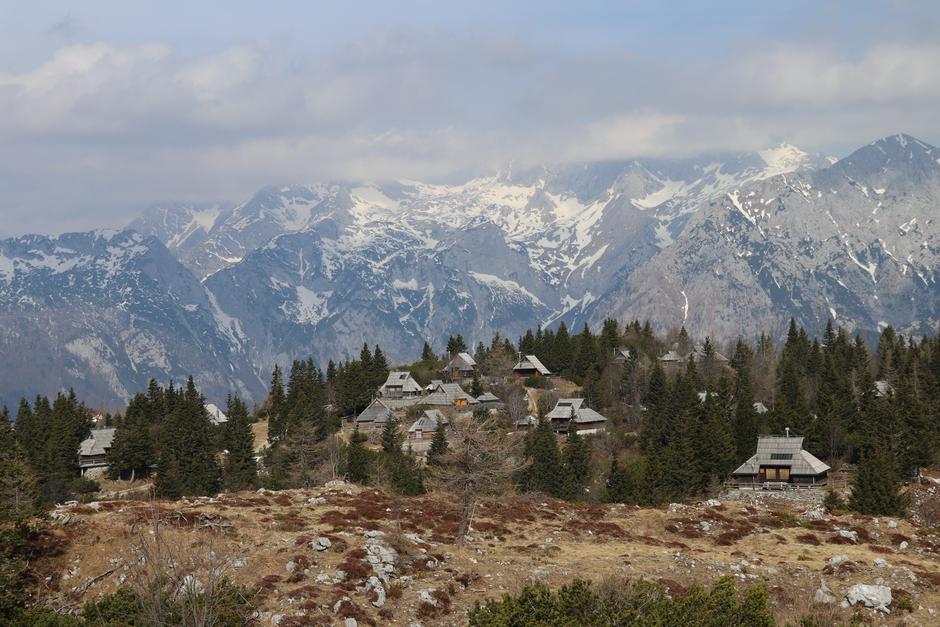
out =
column 876, row 597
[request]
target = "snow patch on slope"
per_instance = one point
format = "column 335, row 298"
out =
column 782, row 159
column 511, row 288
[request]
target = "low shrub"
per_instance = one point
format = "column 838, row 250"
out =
column 627, row 602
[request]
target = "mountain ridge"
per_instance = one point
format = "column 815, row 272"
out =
column 727, row 247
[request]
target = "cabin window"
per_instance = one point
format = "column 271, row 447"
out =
column 775, row 473
column 781, row 456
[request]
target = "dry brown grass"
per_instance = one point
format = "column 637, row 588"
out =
column 557, row 539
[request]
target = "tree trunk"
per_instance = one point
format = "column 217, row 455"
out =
column 466, row 516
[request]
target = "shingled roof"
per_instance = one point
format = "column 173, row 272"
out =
column 531, row 362
column 447, row 394
column 428, row 422
column 216, row 415
column 461, row 361
column 582, row 414
column 97, row 443
column 376, row 413
column 400, row 381
column 782, row 451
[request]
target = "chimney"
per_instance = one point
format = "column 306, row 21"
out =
column 787, row 429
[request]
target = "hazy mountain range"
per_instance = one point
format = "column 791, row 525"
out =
column 726, row 244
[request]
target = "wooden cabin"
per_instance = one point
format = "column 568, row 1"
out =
column 530, row 366
column 460, row 368
column 448, row 395
column 93, row 450
column 427, row 425
column 400, row 385
column 374, row 416
column 781, row 462
column 572, row 413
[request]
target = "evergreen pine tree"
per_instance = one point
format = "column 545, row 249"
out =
column 876, row 491
column 746, row 421
column 657, row 425
column 527, row 344
column 544, row 471
column 438, row 446
column 476, row 387
column 69, row 425
column 426, row 353
column 561, row 352
column 624, row 483
column 277, row 406
column 33, row 429
column 18, row 490
column 379, row 371
column 586, row 355
column 132, row 449
column 717, row 445
column 391, row 438
column 609, row 338
column 187, row 465
column 577, row 464
column 241, row 470
column 358, row 459
column 617, row 485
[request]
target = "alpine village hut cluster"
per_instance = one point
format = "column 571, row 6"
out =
column 779, row 461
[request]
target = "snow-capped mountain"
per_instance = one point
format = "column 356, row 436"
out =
column 323, row 268
column 104, row 312
column 725, row 244
column 855, row 242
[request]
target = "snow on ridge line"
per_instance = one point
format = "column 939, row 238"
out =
column 494, row 282
column 782, row 159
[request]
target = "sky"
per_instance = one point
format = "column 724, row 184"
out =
column 107, row 107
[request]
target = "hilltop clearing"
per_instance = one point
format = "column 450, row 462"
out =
column 321, row 555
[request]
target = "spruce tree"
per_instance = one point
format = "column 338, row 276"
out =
column 544, row 471
column 427, row 354
column 625, row 483
column 69, row 425
column 438, row 446
column 609, row 338
column 132, row 449
column 476, row 387
column 241, row 470
column 561, row 352
column 577, row 464
column 617, row 485
column 18, row 490
column 277, row 406
column 586, row 355
column 391, row 438
column 33, row 430
column 187, row 465
column 877, row 486
column 717, row 445
column 527, row 345
column 746, row 420
column 358, row 459
column 379, row 370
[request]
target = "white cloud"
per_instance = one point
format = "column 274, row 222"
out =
column 119, row 127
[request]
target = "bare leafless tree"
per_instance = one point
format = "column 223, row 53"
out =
column 175, row 576
column 334, row 448
column 480, row 461
column 514, row 402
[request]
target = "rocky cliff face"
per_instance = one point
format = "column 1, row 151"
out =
column 104, row 312
column 725, row 244
column 854, row 242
